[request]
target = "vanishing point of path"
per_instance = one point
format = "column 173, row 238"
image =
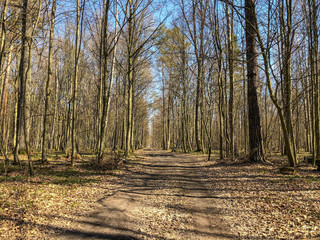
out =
column 162, row 195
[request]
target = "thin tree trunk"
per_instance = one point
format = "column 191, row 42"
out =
column 164, row 146
column 286, row 33
column 75, row 85
column 49, row 77
column 106, row 87
column 169, row 115
column 314, row 66
column 55, row 110
column 4, row 100
column 3, row 29
column 27, row 89
column 231, row 78
column 129, row 76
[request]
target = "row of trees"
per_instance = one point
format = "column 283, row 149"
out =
column 74, row 76
column 240, row 76
column 236, row 76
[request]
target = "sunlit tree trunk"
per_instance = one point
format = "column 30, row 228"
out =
column 4, row 100
column 129, row 76
column 3, row 33
column 164, row 145
column 22, row 77
column 314, row 66
column 169, row 113
column 75, row 85
column 3, row 73
column 106, row 87
column 264, row 51
column 47, row 90
column 231, row 78
column 286, row 41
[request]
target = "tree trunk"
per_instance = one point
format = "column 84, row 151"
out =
column 75, row 85
column 129, row 76
column 273, row 97
column 255, row 140
column 49, row 77
column 3, row 29
column 4, row 100
column 231, row 78
column 164, row 146
column 313, row 49
column 22, row 77
column 106, row 87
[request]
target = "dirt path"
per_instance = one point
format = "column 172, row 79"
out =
column 161, row 196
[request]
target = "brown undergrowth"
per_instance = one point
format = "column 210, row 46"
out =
column 35, row 207
column 261, row 203
column 256, row 200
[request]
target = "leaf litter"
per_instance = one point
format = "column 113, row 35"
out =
column 256, row 200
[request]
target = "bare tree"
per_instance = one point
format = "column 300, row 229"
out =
column 255, row 139
column 49, row 77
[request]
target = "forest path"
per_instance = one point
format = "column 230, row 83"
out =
column 162, row 195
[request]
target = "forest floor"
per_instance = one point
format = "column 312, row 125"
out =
column 161, row 195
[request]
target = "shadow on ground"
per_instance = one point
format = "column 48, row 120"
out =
column 158, row 175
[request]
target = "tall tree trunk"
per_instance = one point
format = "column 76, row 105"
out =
column 3, row 74
column 164, row 146
column 221, row 100
column 255, row 139
column 184, row 113
column 314, row 74
column 244, row 114
column 22, row 77
column 129, row 75
column 55, row 111
column 106, row 87
column 3, row 30
column 75, row 85
column 286, row 41
column 168, row 114
column 116, row 119
column 49, row 77
column 4, row 100
column 231, row 78
column 265, row 54
column 27, row 120
column 27, row 107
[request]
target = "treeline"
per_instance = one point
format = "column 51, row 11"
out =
column 74, row 76
column 240, row 77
